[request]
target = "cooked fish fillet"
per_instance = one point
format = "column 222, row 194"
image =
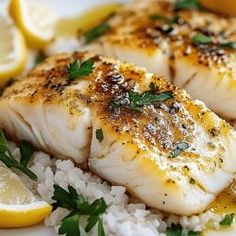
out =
column 45, row 110
column 143, row 133
column 154, row 35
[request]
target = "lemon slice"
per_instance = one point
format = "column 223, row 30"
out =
column 35, row 21
column 12, row 51
column 222, row 6
column 18, row 206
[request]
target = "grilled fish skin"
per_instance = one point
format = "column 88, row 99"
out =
column 154, row 35
column 138, row 146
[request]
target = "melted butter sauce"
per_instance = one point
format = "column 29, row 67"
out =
column 69, row 27
column 225, row 203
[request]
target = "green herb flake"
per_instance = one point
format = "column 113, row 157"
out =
column 192, row 181
column 228, row 45
column 101, row 231
column 152, row 86
column 7, row 158
column 138, row 100
column 227, row 220
column 158, row 17
column 99, row 135
column 201, row 39
column 70, row 226
column 79, row 206
column 96, row 32
column 112, row 106
column 169, row 20
column 177, row 230
column 179, row 148
column 26, row 151
column 187, row 5
column 41, row 55
column 78, row 69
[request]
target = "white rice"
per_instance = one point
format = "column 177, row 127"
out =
column 122, row 218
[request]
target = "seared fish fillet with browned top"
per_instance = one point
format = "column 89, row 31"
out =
column 132, row 127
column 194, row 49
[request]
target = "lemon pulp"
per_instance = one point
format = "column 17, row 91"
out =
column 18, row 206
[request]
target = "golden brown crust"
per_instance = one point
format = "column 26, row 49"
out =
column 158, row 126
column 132, row 27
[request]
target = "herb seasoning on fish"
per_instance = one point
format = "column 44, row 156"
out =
column 136, row 100
column 78, row 69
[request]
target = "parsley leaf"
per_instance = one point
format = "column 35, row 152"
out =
column 177, row 230
column 204, row 39
column 79, row 206
column 147, row 98
column 228, row 220
column 201, row 39
column 187, row 4
column 78, row 69
column 101, row 231
column 92, row 221
column 99, row 135
column 231, row 45
column 3, row 143
column 70, row 225
column 26, row 151
column 135, row 100
column 7, row 158
column 179, row 148
column 96, row 32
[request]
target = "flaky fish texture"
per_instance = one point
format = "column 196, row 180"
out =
column 133, row 128
column 153, row 34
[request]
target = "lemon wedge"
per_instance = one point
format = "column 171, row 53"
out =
column 18, row 206
column 12, row 50
column 35, row 21
column 221, row 6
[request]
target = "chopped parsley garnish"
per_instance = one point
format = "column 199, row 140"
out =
column 201, row 39
column 96, row 32
column 70, row 225
column 78, row 69
column 187, row 5
column 192, row 181
column 169, row 20
column 99, row 135
column 138, row 100
column 78, row 206
column 41, row 55
column 179, row 148
column 231, row 45
column 26, row 152
column 204, row 39
column 177, row 230
column 7, row 158
column 135, row 100
column 227, row 220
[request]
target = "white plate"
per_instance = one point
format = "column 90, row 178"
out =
column 69, row 8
